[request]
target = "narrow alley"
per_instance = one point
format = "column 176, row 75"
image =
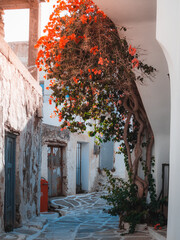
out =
column 84, row 218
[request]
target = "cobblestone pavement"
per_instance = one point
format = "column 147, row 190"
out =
column 83, row 219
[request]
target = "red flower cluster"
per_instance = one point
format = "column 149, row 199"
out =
column 135, row 62
column 132, row 51
column 157, row 226
column 94, row 50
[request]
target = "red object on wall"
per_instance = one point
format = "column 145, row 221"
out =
column 44, row 196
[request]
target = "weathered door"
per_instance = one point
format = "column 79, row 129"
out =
column 9, row 204
column 54, row 171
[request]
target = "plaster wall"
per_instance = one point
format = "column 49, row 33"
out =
column 168, row 35
column 20, row 113
column 119, row 165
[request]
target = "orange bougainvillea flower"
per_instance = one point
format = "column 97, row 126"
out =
column 132, row 51
column 63, row 128
column 90, row 10
column 84, row 19
column 63, row 41
column 50, row 101
column 75, row 80
column 101, row 12
column 72, row 37
column 94, row 50
column 100, row 61
column 135, row 62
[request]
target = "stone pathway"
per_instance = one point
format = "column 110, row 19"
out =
column 84, row 219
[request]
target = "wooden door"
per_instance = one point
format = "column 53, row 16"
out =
column 54, row 171
column 9, row 204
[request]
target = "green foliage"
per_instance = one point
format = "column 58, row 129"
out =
column 124, row 201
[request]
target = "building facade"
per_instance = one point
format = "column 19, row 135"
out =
column 20, row 131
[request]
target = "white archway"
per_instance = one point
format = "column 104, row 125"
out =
column 168, row 35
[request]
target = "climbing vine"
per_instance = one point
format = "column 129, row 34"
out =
column 93, row 73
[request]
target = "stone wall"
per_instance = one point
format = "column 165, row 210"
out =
column 20, row 113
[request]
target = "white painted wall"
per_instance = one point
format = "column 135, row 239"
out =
column 120, row 170
column 168, row 35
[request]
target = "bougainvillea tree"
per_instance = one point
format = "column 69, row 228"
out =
column 91, row 71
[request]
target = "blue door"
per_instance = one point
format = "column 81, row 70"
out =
column 9, row 203
column 78, row 169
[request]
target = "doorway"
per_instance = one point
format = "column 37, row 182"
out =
column 9, row 200
column 55, row 158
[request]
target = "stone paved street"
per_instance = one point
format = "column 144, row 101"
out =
column 83, row 218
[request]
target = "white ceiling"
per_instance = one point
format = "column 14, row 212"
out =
column 123, row 11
